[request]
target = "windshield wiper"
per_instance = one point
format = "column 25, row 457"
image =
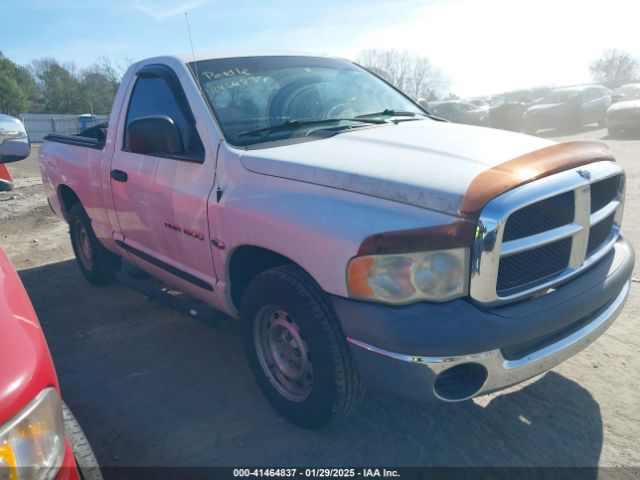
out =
column 391, row 113
column 293, row 124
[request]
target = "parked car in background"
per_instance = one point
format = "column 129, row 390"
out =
column 568, row 107
column 39, row 436
column 506, row 109
column 628, row 91
column 460, row 112
column 623, row 116
column 13, row 138
column 481, row 103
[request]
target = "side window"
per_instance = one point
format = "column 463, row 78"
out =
column 152, row 96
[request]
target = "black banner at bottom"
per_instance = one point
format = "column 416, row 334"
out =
column 404, row 473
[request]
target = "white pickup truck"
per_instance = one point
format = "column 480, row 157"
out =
column 359, row 239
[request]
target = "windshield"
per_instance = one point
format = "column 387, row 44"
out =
column 252, row 93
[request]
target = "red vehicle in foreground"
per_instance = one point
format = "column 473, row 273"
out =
column 6, row 182
column 39, row 437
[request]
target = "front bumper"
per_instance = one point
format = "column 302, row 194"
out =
column 455, row 351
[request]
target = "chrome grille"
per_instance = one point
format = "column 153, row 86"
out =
column 539, row 217
column 604, row 192
column 537, row 235
column 523, row 270
column 599, row 233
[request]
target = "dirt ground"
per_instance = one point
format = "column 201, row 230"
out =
column 154, row 387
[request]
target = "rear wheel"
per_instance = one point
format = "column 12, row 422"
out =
column 296, row 348
column 96, row 263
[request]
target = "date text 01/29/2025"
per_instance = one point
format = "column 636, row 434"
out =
column 316, row 472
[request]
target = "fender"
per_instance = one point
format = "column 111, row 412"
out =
column 318, row 228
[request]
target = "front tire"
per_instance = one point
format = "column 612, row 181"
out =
column 296, row 348
column 97, row 264
column 82, row 453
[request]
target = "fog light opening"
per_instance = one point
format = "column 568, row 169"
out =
column 460, row 382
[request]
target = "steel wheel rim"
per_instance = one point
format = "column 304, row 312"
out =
column 283, row 353
column 84, row 245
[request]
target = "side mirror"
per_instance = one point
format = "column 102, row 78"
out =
column 154, row 135
column 14, row 143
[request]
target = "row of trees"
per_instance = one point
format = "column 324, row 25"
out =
column 50, row 87
column 417, row 76
column 413, row 74
column 17, row 87
column 615, row 67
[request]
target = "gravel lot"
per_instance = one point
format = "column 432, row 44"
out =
column 152, row 386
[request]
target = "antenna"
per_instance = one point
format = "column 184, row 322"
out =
column 193, row 52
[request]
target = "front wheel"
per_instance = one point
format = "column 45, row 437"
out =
column 82, row 453
column 97, row 264
column 296, row 348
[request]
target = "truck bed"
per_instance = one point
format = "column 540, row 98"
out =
column 93, row 137
column 77, row 140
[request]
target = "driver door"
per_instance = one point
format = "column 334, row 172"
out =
column 160, row 200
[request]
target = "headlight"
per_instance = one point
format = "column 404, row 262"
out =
column 32, row 443
column 404, row 278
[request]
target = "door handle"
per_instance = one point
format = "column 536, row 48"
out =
column 119, row 175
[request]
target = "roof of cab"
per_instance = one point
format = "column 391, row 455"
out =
column 188, row 57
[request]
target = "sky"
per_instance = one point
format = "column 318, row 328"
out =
column 483, row 46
